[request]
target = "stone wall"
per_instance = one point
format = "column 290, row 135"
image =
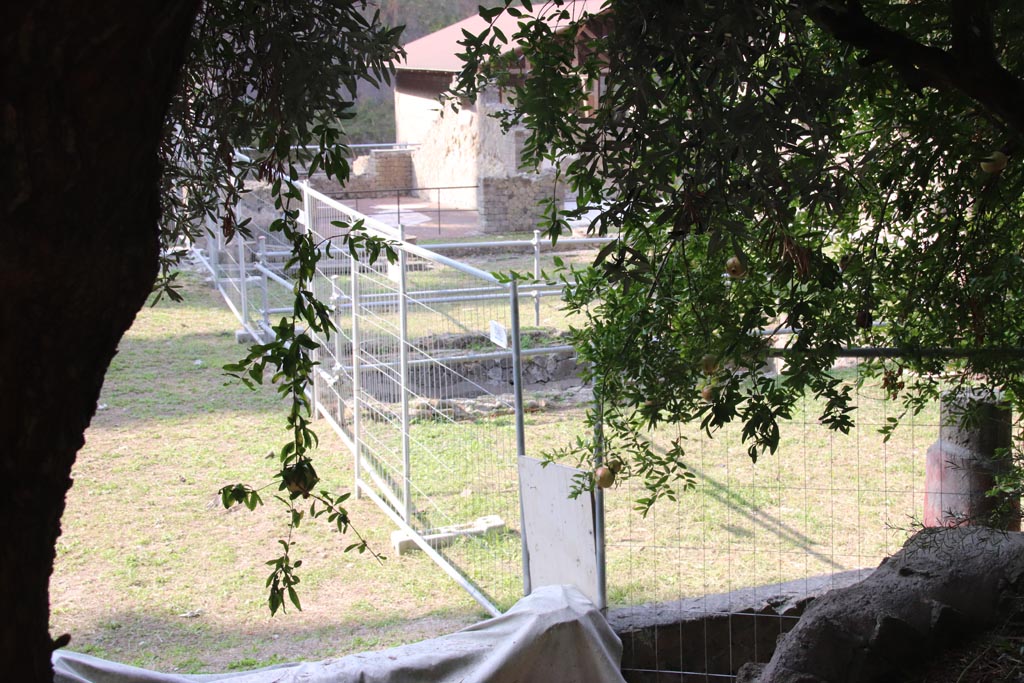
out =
column 468, row 149
column 383, row 170
column 500, row 152
column 381, row 173
column 448, row 157
column 511, row 204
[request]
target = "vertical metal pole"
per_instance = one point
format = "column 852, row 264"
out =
column 403, row 333
column 213, row 237
column 517, row 385
column 339, row 341
column 243, row 276
column 307, row 208
column 536, row 277
column 262, row 246
column 599, row 550
column 357, row 379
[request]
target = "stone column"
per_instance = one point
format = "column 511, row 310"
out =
column 962, row 465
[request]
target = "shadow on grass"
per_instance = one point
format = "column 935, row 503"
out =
column 178, row 375
column 198, row 644
column 756, row 516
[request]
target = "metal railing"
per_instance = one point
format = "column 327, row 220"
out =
column 421, row 380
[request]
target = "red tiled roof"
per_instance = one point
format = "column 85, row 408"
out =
column 437, row 51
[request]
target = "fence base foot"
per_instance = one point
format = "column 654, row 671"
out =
column 404, row 543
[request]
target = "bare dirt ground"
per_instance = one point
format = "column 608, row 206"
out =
column 996, row 656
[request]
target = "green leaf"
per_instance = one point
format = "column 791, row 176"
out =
column 274, row 602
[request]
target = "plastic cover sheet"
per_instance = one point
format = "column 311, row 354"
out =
column 555, row 634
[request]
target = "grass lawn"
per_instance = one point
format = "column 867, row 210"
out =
column 823, row 503
column 152, row 571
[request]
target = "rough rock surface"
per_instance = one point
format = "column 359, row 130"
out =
column 943, row 587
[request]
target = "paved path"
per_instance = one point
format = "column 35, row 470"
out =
column 423, row 218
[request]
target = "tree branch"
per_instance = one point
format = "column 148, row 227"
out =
column 969, row 67
column 971, row 26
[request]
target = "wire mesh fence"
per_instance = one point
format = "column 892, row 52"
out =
column 823, row 511
column 418, row 381
column 249, row 271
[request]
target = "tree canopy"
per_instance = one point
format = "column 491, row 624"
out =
column 805, row 175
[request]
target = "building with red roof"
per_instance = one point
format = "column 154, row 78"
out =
column 467, row 149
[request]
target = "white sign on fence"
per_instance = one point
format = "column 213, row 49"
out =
column 560, row 536
column 499, row 335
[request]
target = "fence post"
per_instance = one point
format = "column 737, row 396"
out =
column 262, row 246
column 213, row 237
column 536, row 277
column 243, row 276
column 339, row 340
column 403, row 333
column 517, row 388
column 599, row 541
column 975, row 438
column 356, row 375
column 306, row 208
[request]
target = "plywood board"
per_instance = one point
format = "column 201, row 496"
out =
column 560, row 536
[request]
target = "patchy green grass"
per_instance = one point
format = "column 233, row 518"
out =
column 152, row 571
column 824, row 503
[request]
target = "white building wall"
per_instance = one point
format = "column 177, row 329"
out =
column 415, row 115
column 447, row 157
column 466, row 152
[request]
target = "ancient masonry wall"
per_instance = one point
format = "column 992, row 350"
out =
column 500, row 152
column 448, row 157
column 508, row 197
column 511, row 204
column 468, row 149
column 381, row 173
column 387, row 170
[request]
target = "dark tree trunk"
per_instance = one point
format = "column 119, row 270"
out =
column 83, row 94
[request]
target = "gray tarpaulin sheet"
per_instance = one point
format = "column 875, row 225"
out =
column 555, row 634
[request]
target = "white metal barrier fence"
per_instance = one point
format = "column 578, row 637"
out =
column 421, row 380
column 724, row 562
column 421, row 357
